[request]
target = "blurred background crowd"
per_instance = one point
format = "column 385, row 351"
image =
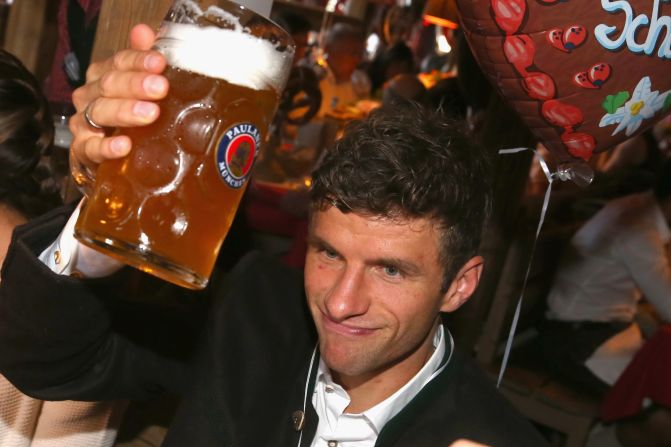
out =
column 600, row 282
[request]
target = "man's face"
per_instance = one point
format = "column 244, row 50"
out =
column 373, row 288
column 344, row 56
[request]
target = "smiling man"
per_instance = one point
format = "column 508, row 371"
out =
column 354, row 353
column 398, row 207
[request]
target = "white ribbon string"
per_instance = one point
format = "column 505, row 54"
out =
column 550, row 176
column 307, row 387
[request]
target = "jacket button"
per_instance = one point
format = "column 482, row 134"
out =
column 298, row 420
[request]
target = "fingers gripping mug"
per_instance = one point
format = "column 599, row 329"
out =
column 167, row 206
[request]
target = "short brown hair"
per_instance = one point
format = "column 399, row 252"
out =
column 408, row 161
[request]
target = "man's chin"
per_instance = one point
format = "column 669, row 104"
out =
column 346, row 373
column 343, row 362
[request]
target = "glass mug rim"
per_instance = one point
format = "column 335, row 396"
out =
column 238, row 8
column 248, row 23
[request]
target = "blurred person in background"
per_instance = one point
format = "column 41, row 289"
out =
column 616, row 258
column 394, row 60
column 403, row 87
column 27, row 190
column 77, row 23
column 343, row 85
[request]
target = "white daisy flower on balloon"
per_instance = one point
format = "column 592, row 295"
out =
column 629, row 115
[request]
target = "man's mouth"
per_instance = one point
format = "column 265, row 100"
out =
column 348, row 330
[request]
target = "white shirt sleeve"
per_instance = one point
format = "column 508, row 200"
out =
column 644, row 254
column 66, row 255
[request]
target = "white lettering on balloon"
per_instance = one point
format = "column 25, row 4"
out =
column 632, row 25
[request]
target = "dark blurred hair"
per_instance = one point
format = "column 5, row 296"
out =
column 26, row 133
column 343, row 31
column 662, row 186
column 293, row 23
column 401, row 88
column 447, row 96
column 410, row 162
column 397, row 53
column 475, row 87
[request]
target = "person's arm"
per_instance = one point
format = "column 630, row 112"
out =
column 67, row 256
column 56, row 340
column 643, row 252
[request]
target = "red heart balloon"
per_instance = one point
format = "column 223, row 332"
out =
column 583, row 75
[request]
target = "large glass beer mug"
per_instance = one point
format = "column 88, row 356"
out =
column 167, row 206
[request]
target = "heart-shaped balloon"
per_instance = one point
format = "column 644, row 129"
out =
column 583, row 75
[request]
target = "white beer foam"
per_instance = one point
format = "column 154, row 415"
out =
column 232, row 55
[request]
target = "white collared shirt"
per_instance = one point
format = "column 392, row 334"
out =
column 337, row 428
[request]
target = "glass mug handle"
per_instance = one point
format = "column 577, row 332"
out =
column 82, row 175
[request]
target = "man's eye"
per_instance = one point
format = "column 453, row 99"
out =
column 390, row 270
column 330, row 254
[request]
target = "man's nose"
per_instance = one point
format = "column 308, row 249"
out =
column 347, row 297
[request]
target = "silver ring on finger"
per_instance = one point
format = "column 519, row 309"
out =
column 89, row 120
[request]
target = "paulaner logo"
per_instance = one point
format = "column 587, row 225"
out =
column 236, row 153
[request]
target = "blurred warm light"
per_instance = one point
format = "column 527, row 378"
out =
column 433, row 77
column 442, row 13
column 331, row 6
column 445, row 23
column 442, row 44
column 321, row 61
column 372, row 45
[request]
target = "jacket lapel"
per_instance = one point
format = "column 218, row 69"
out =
column 300, row 424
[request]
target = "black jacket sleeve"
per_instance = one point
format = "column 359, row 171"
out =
column 57, row 334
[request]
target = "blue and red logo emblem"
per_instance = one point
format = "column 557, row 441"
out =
column 236, row 153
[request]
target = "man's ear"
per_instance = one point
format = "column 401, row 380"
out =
column 463, row 285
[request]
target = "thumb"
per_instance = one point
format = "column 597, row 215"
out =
column 142, row 37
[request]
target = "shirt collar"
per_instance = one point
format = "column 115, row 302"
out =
column 381, row 413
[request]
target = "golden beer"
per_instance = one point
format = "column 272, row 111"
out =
column 167, row 206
